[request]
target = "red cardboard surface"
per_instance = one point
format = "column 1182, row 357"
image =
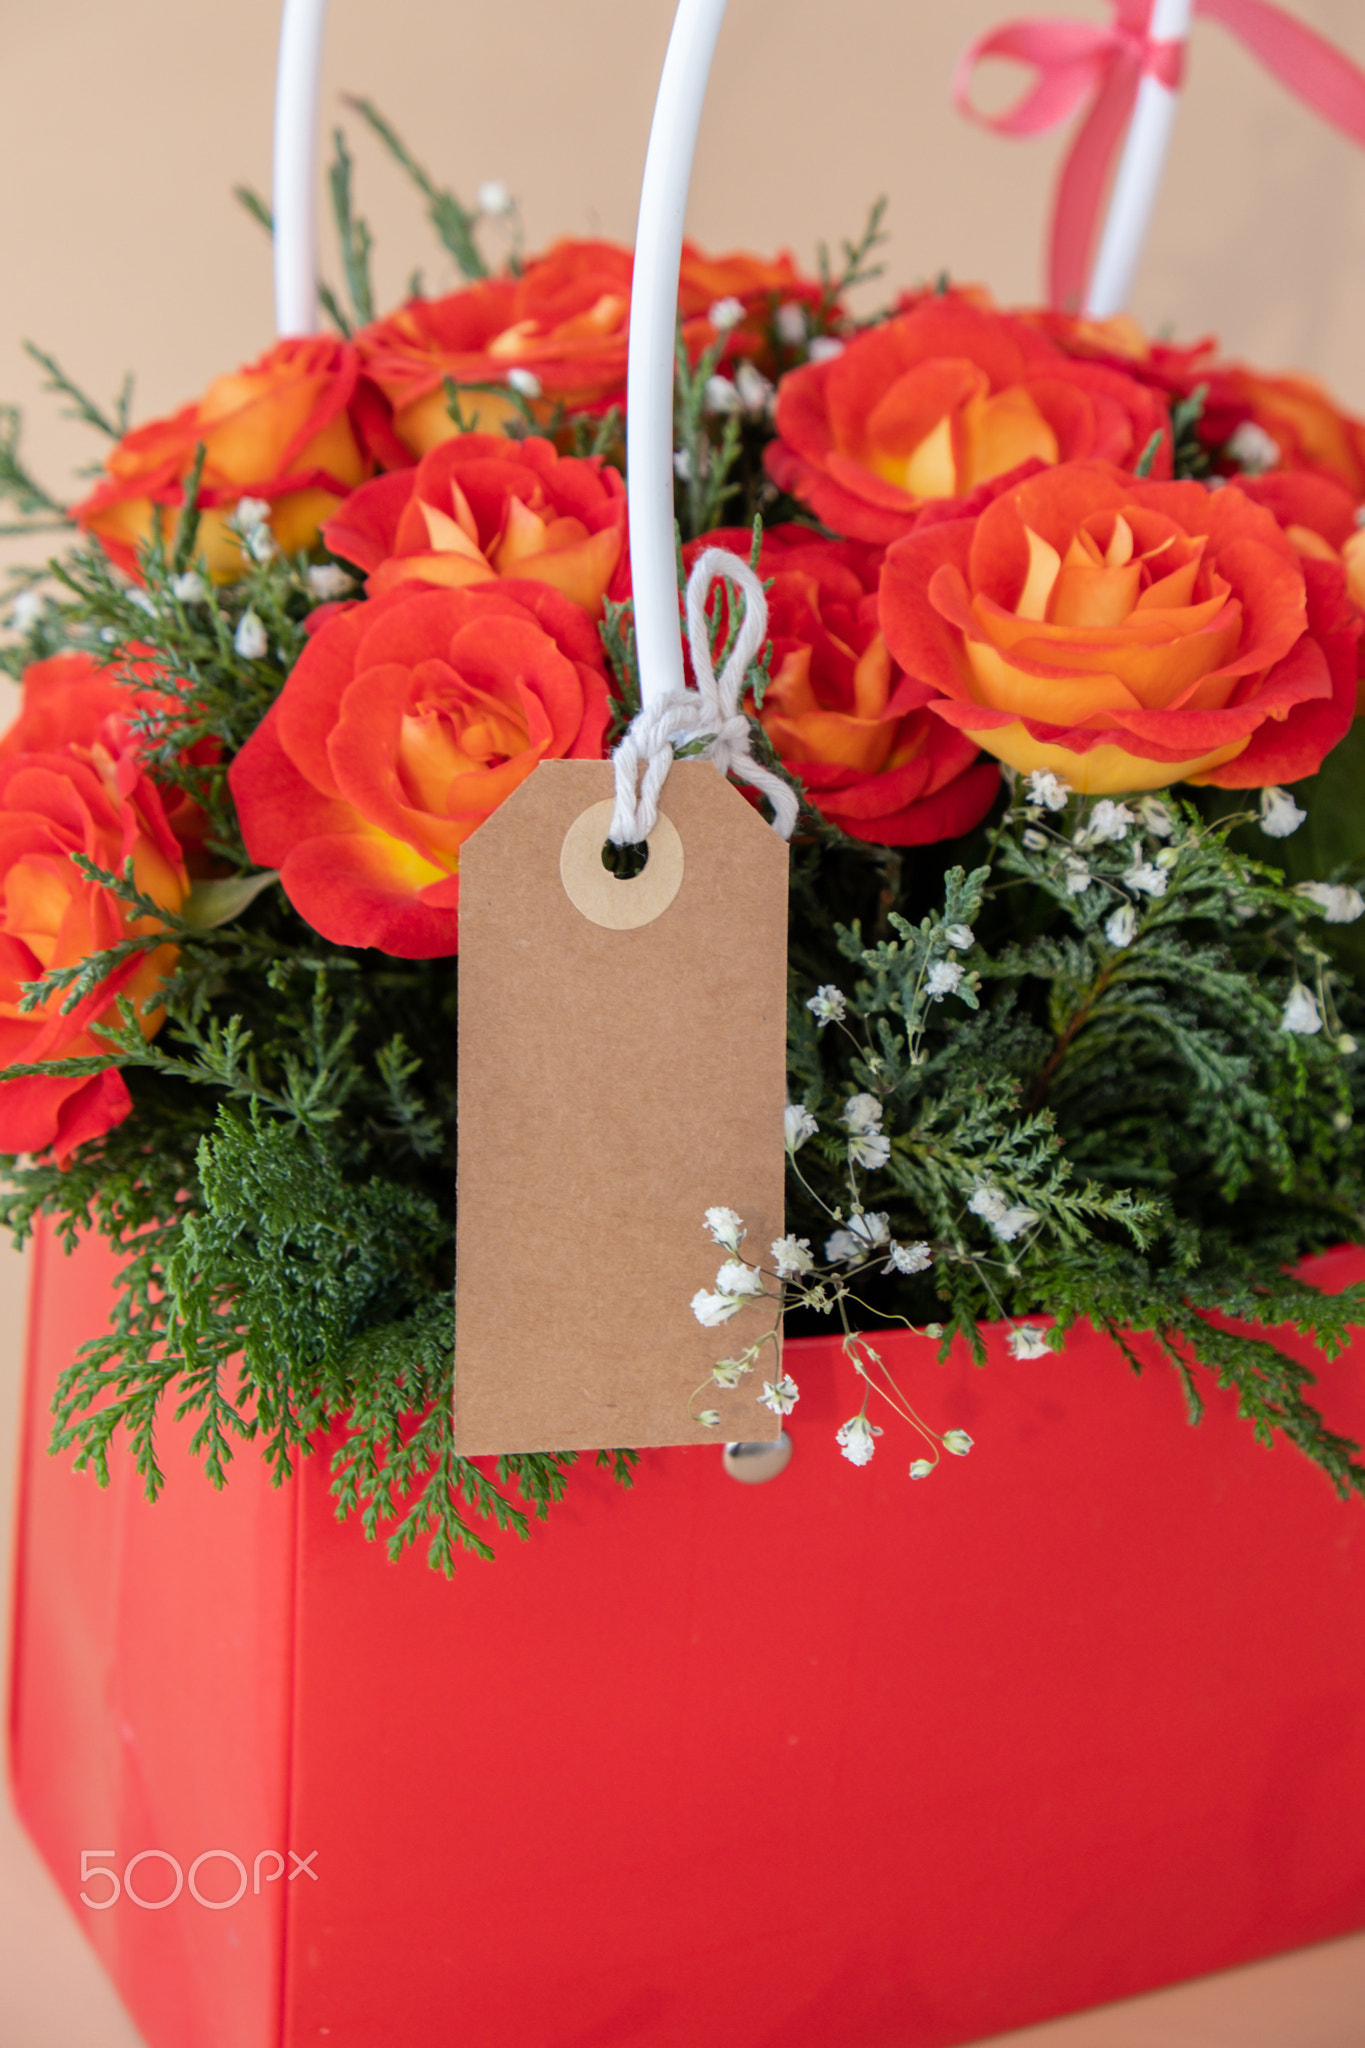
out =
column 839, row 1758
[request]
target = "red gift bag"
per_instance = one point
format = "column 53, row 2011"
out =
column 835, row 1758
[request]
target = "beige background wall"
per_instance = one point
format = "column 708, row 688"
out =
column 124, row 128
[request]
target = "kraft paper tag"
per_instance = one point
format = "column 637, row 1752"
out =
column 622, row 1070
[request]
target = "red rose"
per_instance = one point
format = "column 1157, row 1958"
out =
column 1127, row 634
column 939, row 403
column 481, row 507
column 405, row 722
column 839, row 711
column 91, row 798
column 298, row 428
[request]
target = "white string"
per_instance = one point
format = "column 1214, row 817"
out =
column 712, row 712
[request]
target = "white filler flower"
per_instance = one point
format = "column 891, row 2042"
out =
column 855, row 1439
column 1026, row 1340
column 1301, row 1013
column 1338, row 902
column 827, row 1005
column 1280, row 815
column 251, row 640
column 726, row 1227
column 711, row 1310
column 797, row 1125
column 1048, row 789
column 792, row 1257
column 735, row 1277
column 780, row 1395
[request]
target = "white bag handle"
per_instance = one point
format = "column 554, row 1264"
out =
column 658, row 255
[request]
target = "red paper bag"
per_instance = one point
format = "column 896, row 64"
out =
column 837, row 1758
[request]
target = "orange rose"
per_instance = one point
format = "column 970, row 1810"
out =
column 561, row 326
column 298, row 428
column 1298, row 425
column 68, row 701
column 91, row 798
column 480, row 507
column 841, row 713
column 405, row 722
column 1127, row 634
column 947, row 400
column 558, row 333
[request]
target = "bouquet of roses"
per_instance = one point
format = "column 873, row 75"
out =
column 1063, row 658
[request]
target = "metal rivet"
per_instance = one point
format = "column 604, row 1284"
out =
column 752, row 1464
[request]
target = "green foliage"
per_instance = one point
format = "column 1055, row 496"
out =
column 1112, row 1071
column 454, row 224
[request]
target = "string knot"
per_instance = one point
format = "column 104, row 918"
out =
column 710, row 712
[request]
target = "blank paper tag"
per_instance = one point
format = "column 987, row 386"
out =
column 622, row 1070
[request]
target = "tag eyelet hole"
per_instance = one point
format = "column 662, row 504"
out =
column 625, row 862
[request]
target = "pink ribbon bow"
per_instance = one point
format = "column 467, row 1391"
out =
column 1077, row 62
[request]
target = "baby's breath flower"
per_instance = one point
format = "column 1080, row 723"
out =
column 957, row 1441
column 780, row 1395
column 987, row 1202
column 682, row 465
column 755, row 392
column 942, row 979
column 251, row 640
column 1013, row 1223
column 1280, row 815
column 493, row 198
column 824, row 348
column 921, row 1468
column 1077, row 875
column 725, row 314
column 827, row 1005
column 960, row 937
column 1035, row 841
column 1107, row 823
column 524, row 382
column 328, row 580
column 726, row 1227
column 908, row 1258
column 862, row 1113
column 1026, row 1340
column 709, row 1418
column 735, row 1277
column 870, row 1150
column 722, row 396
column 864, row 1232
column 1156, row 818
column 261, row 544
column 189, row 588
column 1149, row 879
column 1338, row 902
column 1120, row 927
column 250, row 512
column 855, row 1439
column 797, row 1125
column 711, row 1310
column 1048, row 789
column 1252, row 448
column 26, row 611
column 790, row 323
column 792, row 1257
column 730, row 1371
column 144, row 601
column 1301, row 1014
